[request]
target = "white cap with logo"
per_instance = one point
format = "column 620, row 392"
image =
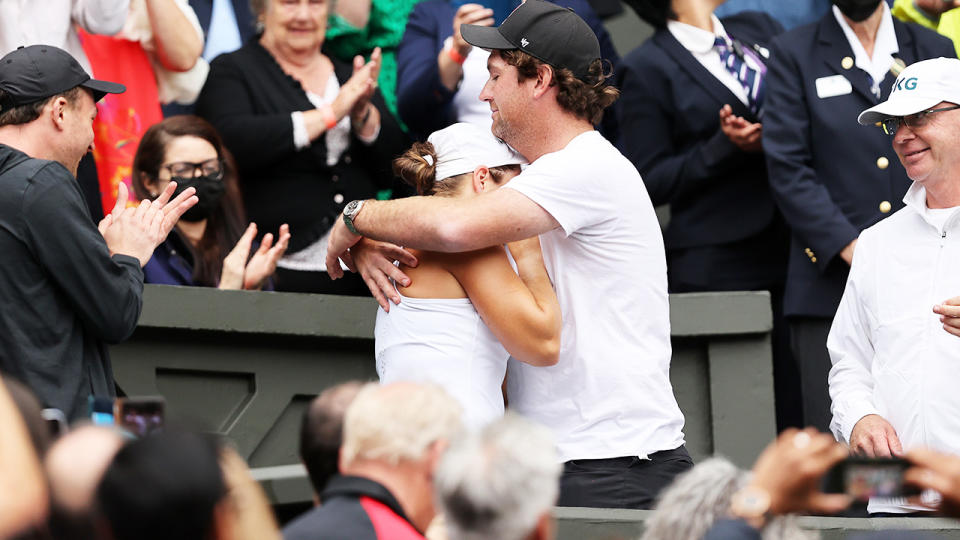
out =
column 461, row 148
column 919, row 87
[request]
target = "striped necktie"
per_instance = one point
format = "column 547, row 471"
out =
column 750, row 73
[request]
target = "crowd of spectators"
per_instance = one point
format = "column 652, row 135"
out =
column 752, row 134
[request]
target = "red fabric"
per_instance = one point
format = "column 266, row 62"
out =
column 387, row 524
column 121, row 118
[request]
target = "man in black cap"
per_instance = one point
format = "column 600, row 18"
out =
column 68, row 288
column 608, row 400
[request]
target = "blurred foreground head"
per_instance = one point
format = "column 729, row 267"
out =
column 698, row 498
column 500, row 482
column 166, row 485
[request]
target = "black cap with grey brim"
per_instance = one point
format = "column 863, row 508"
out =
column 546, row 31
column 30, row 74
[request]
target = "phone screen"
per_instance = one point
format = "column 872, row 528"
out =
column 140, row 416
column 865, row 478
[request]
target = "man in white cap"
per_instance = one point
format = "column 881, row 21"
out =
column 608, row 400
column 894, row 378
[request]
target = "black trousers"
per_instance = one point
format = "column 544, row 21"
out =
column 623, row 482
column 808, row 340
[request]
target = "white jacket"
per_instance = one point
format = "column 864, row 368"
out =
column 890, row 353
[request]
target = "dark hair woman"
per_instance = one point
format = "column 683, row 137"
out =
column 211, row 244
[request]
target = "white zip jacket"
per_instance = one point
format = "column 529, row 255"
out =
column 890, row 353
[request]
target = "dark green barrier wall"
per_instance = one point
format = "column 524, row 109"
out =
column 245, row 364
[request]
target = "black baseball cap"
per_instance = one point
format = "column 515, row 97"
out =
column 30, row 74
column 546, row 31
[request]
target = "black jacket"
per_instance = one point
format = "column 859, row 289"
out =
column 353, row 508
column 718, row 194
column 249, row 99
column 63, row 296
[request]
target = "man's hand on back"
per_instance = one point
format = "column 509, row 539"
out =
column 873, row 436
column 137, row 231
column 374, row 263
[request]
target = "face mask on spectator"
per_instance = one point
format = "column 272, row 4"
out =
column 209, row 190
column 857, row 10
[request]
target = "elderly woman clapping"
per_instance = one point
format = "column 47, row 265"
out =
column 306, row 130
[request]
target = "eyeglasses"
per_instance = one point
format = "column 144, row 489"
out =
column 913, row 121
column 212, row 168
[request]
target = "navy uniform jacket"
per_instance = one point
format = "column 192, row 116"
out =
column 831, row 177
column 670, row 129
column 424, row 104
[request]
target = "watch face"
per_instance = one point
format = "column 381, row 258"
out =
column 351, row 207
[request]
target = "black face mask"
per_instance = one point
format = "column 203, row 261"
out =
column 209, row 191
column 857, row 10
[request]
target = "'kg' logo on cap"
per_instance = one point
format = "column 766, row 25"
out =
column 524, row 42
column 907, row 84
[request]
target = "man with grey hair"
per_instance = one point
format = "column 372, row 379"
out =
column 500, row 482
column 393, row 437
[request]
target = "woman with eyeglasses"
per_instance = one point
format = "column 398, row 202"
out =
column 211, row 246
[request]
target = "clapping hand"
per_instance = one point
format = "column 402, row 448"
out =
column 137, row 231
column 239, row 272
column 355, row 94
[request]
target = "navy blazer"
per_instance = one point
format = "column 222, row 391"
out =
column 668, row 114
column 424, row 104
column 831, row 177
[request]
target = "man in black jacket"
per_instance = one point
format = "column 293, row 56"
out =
column 68, row 288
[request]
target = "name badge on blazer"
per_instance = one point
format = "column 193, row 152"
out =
column 835, row 85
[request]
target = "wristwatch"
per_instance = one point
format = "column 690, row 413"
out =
column 752, row 504
column 350, row 211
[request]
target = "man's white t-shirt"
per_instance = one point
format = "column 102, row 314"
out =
column 610, row 394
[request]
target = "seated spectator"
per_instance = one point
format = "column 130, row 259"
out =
column 75, row 465
column 209, row 246
column 940, row 15
column 23, row 491
column 700, row 497
column 166, row 485
column 321, row 433
column 439, row 75
column 157, row 53
column 500, row 483
column 690, row 115
column 307, row 133
column 393, row 439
